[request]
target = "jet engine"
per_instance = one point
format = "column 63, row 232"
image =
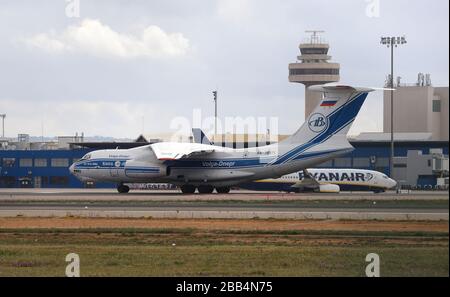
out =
column 328, row 188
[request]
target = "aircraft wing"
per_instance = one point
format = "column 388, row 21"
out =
column 308, row 181
column 175, row 151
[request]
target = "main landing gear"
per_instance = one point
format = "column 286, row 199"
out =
column 122, row 189
column 223, row 190
column 187, row 189
column 203, row 189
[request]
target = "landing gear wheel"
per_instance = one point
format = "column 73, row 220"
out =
column 187, row 189
column 205, row 189
column 223, row 190
column 122, row 189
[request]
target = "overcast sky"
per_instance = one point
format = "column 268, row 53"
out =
column 122, row 67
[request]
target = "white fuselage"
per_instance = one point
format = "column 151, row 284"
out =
column 223, row 167
column 346, row 179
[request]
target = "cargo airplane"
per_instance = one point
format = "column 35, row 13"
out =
column 207, row 167
column 323, row 180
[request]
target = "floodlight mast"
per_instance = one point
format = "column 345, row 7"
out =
column 3, row 116
column 215, row 114
column 392, row 42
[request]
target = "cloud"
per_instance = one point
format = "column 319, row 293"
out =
column 88, row 116
column 94, row 38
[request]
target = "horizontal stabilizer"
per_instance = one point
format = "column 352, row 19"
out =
column 338, row 87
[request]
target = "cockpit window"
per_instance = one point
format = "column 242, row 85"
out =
column 86, row 157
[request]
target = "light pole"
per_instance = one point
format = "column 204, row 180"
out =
column 3, row 116
column 215, row 114
column 392, row 42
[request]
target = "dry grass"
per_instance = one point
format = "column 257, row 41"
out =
column 175, row 247
column 220, row 224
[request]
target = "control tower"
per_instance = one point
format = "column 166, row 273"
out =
column 312, row 68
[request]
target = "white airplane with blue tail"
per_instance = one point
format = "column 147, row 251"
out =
column 206, row 167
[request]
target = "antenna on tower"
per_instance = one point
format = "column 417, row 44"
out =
column 315, row 37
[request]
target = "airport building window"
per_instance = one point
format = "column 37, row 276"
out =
column 436, row 105
column 60, row 162
column 44, row 180
column 400, row 165
column 40, row 181
column 343, row 162
column 59, row 180
column 9, row 162
column 25, row 162
column 40, row 162
column 361, row 162
column 314, row 71
column 7, row 181
column 314, row 51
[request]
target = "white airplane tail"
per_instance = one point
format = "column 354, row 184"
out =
column 329, row 122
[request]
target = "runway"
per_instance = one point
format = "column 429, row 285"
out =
column 242, row 205
column 175, row 195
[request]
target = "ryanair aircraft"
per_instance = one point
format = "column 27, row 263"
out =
column 326, row 181
column 207, row 167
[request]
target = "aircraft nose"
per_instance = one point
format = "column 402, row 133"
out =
column 71, row 168
column 393, row 183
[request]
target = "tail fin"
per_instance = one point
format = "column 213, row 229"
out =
column 200, row 137
column 334, row 115
column 328, row 124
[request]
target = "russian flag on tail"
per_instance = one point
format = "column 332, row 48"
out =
column 328, row 103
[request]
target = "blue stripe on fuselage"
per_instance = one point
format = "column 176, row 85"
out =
column 236, row 163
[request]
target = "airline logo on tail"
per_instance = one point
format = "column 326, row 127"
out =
column 318, row 122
